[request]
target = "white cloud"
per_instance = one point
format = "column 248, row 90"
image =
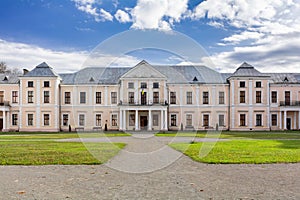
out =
column 105, row 15
column 246, row 35
column 122, row 16
column 158, row 14
column 89, row 7
column 20, row 55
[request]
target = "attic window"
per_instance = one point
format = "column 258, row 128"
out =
column 286, row 79
column 195, row 79
column 92, row 79
column 5, row 78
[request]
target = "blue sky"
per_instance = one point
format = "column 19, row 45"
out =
column 64, row 32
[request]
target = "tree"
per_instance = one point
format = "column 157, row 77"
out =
column 3, row 67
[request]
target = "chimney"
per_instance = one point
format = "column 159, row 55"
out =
column 25, row 71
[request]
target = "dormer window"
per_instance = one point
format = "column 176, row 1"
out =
column 286, row 79
column 5, row 78
column 143, row 85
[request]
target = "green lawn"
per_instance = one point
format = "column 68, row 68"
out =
column 245, row 151
column 42, row 149
column 237, row 134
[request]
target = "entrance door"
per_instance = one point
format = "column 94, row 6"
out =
column 1, row 124
column 143, row 122
column 287, row 98
column 288, row 123
column 143, row 98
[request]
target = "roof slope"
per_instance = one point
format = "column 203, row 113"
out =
column 246, row 70
column 42, row 70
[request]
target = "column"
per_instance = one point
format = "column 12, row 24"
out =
column 149, row 120
column 124, row 120
column 136, row 120
column 161, row 119
column 284, row 120
column 166, row 120
column 121, row 120
column 298, row 119
column 280, row 120
column 295, row 120
column 4, row 120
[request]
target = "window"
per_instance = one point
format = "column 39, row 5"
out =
column 131, row 97
column 46, row 119
column 113, row 98
column 15, row 96
column 130, row 85
column 205, row 98
column 65, row 119
column 242, row 84
column 1, row 96
column 30, row 119
column 189, row 120
column 131, row 119
column 189, row 97
column 30, row 84
column 173, row 120
column 155, row 85
column 114, row 120
column 67, row 97
column 242, row 119
column 172, row 97
column 258, row 96
column 221, row 120
column 143, row 85
column 221, row 98
column 155, row 120
column 258, row 84
column 155, row 97
column 98, row 119
column 14, row 119
column 242, row 97
column 30, row 96
column 82, row 97
column 274, row 120
column 274, row 96
column 98, row 97
column 46, row 84
column 81, row 120
column 205, row 120
column 46, row 96
column 287, row 97
column 258, row 120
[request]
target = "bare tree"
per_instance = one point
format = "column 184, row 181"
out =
column 3, row 67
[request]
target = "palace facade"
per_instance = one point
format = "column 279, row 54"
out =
column 149, row 97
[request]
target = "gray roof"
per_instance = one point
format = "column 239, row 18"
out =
column 190, row 74
column 95, row 75
column 42, row 70
column 9, row 78
column 246, row 70
column 285, row 77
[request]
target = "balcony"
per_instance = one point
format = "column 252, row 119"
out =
column 149, row 103
column 289, row 103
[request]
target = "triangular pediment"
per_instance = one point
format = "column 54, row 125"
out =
column 143, row 70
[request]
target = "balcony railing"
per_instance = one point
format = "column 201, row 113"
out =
column 148, row 103
column 289, row 103
column 4, row 103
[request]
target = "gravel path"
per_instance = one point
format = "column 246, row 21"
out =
column 180, row 179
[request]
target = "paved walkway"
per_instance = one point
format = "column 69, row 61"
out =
column 130, row 175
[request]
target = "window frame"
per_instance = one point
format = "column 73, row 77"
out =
column 68, row 98
column 155, row 85
column 274, row 97
column 30, row 84
column 30, row 119
column 258, row 95
column 205, row 120
column 82, row 97
column 243, row 120
column 258, row 120
column 274, row 120
column 46, row 96
column 155, row 97
column 15, row 96
column 30, row 96
column 242, row 98
column 242, row 84
column 113, row 97
column 46, row 84
column 173, row 118
column 189, row 97
column 46, row 119
column 14, row 119
column 172, row 97
column 81, row 120
column 98, row 120
column 98, row 98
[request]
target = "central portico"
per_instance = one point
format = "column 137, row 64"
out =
column 144, row 104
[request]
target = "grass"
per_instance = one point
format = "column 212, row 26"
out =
column 237, row 134
column 244, row 151
column 42, row 149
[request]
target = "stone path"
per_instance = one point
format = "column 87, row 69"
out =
column 180, row 179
